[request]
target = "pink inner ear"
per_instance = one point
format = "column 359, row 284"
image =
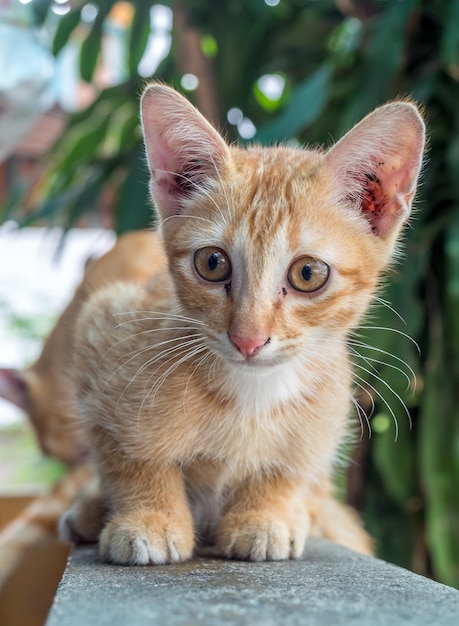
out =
column 387, row 194
column 373, row 199
column 163, row 179
column 184, row 151
column 376, row 165
column 13, row 388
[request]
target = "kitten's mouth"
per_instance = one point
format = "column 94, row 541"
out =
column 253, row 363
column 256, row 361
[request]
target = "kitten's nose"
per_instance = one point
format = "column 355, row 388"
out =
column 248, row 346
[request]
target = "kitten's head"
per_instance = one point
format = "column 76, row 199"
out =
column 274, row 248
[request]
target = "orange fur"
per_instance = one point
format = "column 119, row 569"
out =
column 216, row 408
column 41, row 389
column 38, row 522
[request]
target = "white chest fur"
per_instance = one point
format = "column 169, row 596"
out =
column 258, row 391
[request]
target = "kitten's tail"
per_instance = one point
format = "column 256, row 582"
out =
column 341, row 524
column 38, row 522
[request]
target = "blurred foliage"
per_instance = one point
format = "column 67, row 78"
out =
column 339, row 59
column 23, row 465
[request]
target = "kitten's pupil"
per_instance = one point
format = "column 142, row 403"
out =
column 306, row 272
column 213, row 262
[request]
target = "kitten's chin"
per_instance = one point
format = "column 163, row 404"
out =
column 256, row 363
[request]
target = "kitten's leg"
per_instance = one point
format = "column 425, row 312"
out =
column 152, row 522
column 265, row 520
column 84, row 521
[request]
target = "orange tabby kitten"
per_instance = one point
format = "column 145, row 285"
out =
column 217, row 398
column 37, row 524
column 42, row 391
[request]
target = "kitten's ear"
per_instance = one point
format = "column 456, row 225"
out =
column 13, row 387
column 376, row 165
column 185, row 152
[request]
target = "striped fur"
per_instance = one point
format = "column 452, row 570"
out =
column 42, row 391
column 216, row 409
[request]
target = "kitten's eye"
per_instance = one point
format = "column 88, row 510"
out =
column 212, row 264
column 307, row 274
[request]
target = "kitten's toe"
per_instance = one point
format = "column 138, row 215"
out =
column 258, row 537
column 146, row 538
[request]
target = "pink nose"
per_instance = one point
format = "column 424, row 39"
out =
column 248, row 346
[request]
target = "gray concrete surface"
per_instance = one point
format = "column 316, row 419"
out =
column 331, row 586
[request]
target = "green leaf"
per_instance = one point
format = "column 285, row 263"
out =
column 66, row 26
column 386, row 521
column 138, row 35
column 111, row 97
column 91, row 45
column 439, row 447
column 452, row 252
column 40, row 9
column 85, row 201
column 382, row 61
column 395, row 460
column 450, row 38
column 133, row 207
column 87, row 143
column 49, row 209
column 13, row 201
column 130, row 134
column 89, row 53
column 306, row 103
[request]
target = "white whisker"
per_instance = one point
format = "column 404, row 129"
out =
column 146, row 332
column 375, row 372
column 388, row 306
column 190, row 345
column 393, row 330
column 159, row 382
column 359, row 344
column 151, row 346
column 199, row 364
column 359, row 409
column 159, row 316
column 383, row 399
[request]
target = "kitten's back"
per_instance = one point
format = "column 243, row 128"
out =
column 41, row 389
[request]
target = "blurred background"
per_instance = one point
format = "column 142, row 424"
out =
column 301, row 71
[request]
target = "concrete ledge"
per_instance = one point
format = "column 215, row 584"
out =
column 330, row 586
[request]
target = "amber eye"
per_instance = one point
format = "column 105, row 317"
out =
column 307, row 274
column 212, row 264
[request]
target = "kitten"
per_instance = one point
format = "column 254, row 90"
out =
column 41, row 390
column 217, row 398
column 37, row 524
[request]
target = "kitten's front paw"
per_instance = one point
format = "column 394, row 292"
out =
column 146, row 538
column 258, row 536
